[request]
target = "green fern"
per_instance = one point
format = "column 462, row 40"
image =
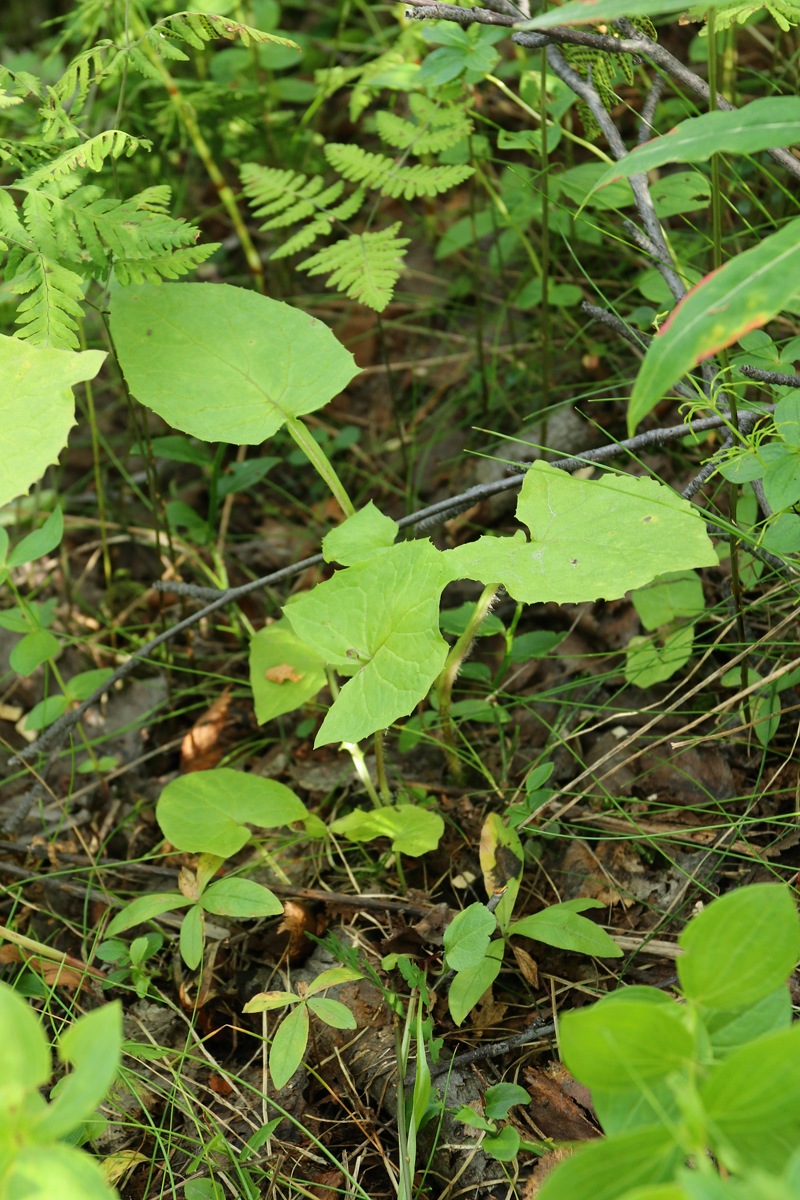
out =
column 68, row 234
column 784, row 13
column 365, row 266
column 434, row 128
column 195, row 29
column 604, row 67
column 389, row 177
column 91, row 154
column 287, row 197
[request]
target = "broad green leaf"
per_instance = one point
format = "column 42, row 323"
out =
column 240, row 898
column 752, row 1102
column 618, row 1043
column 638, row 1107
column 35, row 648
column 608, row 1169
column 224, row 364
column 678, row 595
column 467, row 937
column 332, row 978
column 729, row 1028
column 501, row 1097
column 45, row 712
column 781, row 476
column 741, row 948
column 589, row 539
column 146, row 908
column 332, row 1012
column 206, row 811
column 40, row 542
column 469, row 985
column 503, row 1146
column 594, row 12
column 284, row 672
column 559, row 925
column 191, row 937
column 760, row 125
column 680, row 192
column 288, row 1046
column 80, row 686
column 744, row 294
column 412, row 830
column 502, row 859
column 92, row 1047
column 649, row 661
column 359, row 537
column 381, row 617
column 38, row 408
column 787, row 422
column 42, row 1173
column 24, row 1053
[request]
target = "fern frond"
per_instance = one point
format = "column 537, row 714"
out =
column 11, row 226
column 92, row 154
column 365, row 266
column 286, row 197
column 198, row 28
column 72, row 88
column 168, row 266
column 391, row 179
column 305, row 237
column 49, row 313
column 435, row 129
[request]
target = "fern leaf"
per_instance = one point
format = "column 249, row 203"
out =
column 92, row 154
column 49, row 313
column 198, row 28
column 365, row 266
column 308, row 234
column 11, row 226
column 72, row 88
column 168, row 266
column 435, row 129
column 391, row 179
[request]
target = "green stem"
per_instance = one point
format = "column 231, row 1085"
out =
column 449, row 672
column 544, row 359
column 187, row 116
column 321, row 463
column 380, row 767
column 733, row 490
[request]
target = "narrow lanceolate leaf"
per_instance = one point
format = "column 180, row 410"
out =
column 288, row 1046
column 766, row 123
column 747, row 292
column 592, row 12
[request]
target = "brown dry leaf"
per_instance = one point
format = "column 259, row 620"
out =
column 204, row 744
column 556, row 1113
column 547, row 1163
column 282, row 673
column 328, row 1184
column 219, row 1084
column 187, row 883
column 488, row 1013
column 54, row 974
column 298, row 920
column 527, row 966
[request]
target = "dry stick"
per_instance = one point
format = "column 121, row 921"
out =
column 773, row 377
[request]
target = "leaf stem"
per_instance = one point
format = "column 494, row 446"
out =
column 321, row 463
column 449, row 672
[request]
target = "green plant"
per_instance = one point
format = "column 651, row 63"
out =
column 288, row 1043
column 130, row 962
column 501, row 1142
column 475, row 954
column 204, row 813
column 36, row 1157
column 698, row 1099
